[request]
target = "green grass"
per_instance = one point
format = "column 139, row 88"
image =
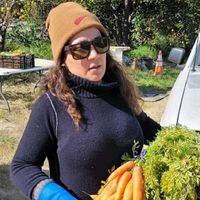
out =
column 147, row 81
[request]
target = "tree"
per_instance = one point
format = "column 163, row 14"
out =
column 115, row 15
column 163, row 25
column 155, row 23
column 6, row 8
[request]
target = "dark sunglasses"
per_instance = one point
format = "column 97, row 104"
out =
column 82, row 50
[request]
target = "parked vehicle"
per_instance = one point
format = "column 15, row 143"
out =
column 183, row 106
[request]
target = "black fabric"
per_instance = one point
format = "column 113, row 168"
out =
column 54, row 168
column 53, row 161
column 149, row 126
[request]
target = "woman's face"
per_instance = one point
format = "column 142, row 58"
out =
column 92, row 67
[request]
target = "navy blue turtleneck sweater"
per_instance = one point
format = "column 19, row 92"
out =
column 85, row 154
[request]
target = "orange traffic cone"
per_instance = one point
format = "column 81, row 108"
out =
column 134, row 64
column 159, row 64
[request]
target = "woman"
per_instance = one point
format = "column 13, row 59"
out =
column 89, row 110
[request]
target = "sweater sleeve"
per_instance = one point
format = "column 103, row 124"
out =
column 26, row 166
column 149, row 127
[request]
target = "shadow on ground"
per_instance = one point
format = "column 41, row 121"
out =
column 7, row 190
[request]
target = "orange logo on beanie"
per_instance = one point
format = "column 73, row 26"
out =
column 78, row 20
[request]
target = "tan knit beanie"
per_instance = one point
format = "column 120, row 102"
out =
column 66, row 20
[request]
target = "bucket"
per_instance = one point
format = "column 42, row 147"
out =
column 146, row 63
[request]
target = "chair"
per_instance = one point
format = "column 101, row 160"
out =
column 176, row 56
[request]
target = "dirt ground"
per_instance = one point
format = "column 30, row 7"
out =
column 155, row 109
column 21, row 97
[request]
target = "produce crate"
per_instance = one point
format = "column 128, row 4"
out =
column 21, row 61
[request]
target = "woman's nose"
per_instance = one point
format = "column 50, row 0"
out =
column 93, row 53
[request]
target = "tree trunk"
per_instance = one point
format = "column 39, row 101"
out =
column 122, row 20
column 4, row 23
column 118, row 15
column 119, row 31
column 2, row 39
column 127, row 4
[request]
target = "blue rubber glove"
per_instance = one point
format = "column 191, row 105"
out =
column 52, row 191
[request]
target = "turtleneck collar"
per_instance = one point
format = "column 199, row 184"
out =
column 90, row 89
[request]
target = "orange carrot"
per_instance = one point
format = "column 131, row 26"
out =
column 121, row 169
column 138, row 183
column 101, row 188
column 112, row 197
column 109, row 189
column 128, row 192
column 123, row 181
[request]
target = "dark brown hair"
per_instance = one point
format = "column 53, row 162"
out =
column 55, row 82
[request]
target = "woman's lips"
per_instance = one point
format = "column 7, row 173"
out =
column 94, row 67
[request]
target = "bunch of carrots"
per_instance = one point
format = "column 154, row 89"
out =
column 124, row 183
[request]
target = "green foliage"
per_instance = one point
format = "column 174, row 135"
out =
column 157, row 24
column 143, row 51
column 28, row 36
column 40, row 49
column 160, row 23
column 24, row 32
column 172, row 167
column 139, row 33
column 146, row 22
column 41, row 8
column 29, row 11
column 165, row 42
column 127, row 157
